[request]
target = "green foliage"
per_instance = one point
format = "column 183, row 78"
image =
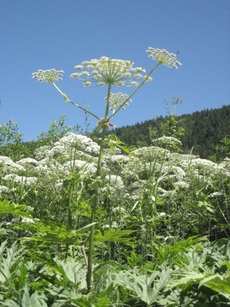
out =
column 143, row 287
column 201, row 131
column 163, row 253
column 48, row 232
column 36, row 300
column 202, row 268
column 113, row 142
column 113, row 235
column 9, row 133
column 99, row 223
column 11, row 143
column 10, row 140
column 219, row 284
column 15, row 209
column 191, row 273
column 223, row 150
column 206, row 132
column 57, row 130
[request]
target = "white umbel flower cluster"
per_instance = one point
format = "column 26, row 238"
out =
column 117, row 99
column 109, row 71
column 49, row 75
column 162, row 56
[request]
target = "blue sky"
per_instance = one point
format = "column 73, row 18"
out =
column 60, row 34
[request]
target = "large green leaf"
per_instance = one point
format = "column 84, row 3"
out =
column 218, row 283
column 174, row 252
column 51, row 232
column 71, row 271
column 9, row 259
column 112, row 235
column 27, row 299
column 145, row 287
column 187, row 278
column 15, row 209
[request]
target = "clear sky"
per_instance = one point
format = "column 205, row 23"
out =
column 44, row 34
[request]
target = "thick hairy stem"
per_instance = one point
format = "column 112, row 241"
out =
column 89, row 276
column 70, row 210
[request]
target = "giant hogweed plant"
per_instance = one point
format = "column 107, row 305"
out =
column 107, row 72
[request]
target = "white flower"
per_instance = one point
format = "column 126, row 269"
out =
column 79, row 67
column 214, row 194
column 204, row 163
column 20, row 179
column 9, row 166
column 87, row 83
column 4, row 189
column 42, row 152
column 114, row 225
column 181, row 184
column 81, row 166
column 58, row 150
column 27, row 220
column 162, row 56
column 109, row 71
column 115, row 181
column 151, row 151
column 178, row 171
column 27, row 161
column 118, row 158
column 82, row 141
column 50, row 75
column 29, row 180
column 119, row 209
column 13, row 178
column 168, row 139
column 207, row 167
column 42, row 166
column 117, row 99
column 169, row 238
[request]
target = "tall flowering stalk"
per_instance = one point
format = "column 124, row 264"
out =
column 107, row 72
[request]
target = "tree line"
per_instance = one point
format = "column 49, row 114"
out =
column 201, row 132
column 205, row 133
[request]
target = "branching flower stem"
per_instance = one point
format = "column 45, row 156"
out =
column 131, row 95
column 73, row 103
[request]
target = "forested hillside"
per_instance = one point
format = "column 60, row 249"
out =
column 200, row 132
column 203, row 131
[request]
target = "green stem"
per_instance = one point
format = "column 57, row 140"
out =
column 70, row 209
column 131, row 95
column 89, row 279
column 73, row 103
column 83, row 109
column 107, row 101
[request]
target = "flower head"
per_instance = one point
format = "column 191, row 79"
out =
column 109, row 71
column 50, row 75
column 117, row 99
column 167, row 139
column 162, row 56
